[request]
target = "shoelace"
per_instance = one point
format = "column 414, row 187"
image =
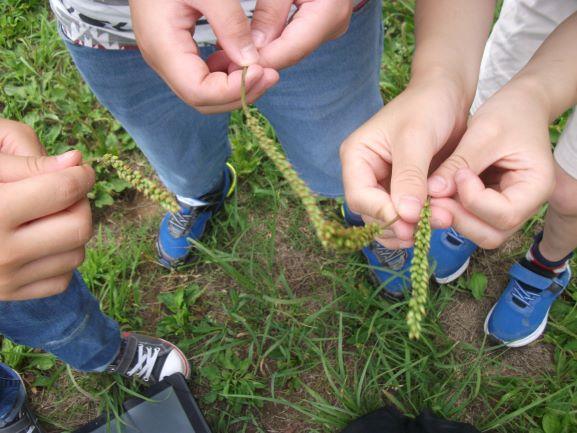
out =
column 179, row 223
column 147, row 357
column 395, row 259
column 525, row 296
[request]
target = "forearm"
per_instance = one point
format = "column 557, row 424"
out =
column 552, row 72
column 450, row 39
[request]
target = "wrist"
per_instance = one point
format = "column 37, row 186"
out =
column 446, row 82
column 533, row 89
column 432, row 63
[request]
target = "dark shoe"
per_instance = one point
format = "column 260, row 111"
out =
column 26, row 423
column 21, row 419
column 149, row 359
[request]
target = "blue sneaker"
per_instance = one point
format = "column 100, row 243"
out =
column 176, row 230
column 450, row 255
column 520, row 315
column 389, row 268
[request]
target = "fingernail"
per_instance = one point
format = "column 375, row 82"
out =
column 66, row 157
column 409, row 206
column 435, row 223
column 437, row 184
column 259, row 38
column 249, row 55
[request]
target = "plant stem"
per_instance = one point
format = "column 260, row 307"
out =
column 331, row 234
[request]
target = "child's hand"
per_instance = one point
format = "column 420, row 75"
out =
column 386, row 161
column 314, row 23
column 45, row 219
column 19, row 139
column 283, row 42
column 165, row 37
column 502, row 169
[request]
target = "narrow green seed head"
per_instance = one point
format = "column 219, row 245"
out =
column 420, row 274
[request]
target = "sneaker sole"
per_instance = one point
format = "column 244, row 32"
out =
column 455, row 275
column 523, row 341
column 171, row 265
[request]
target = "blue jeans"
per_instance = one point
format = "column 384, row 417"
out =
column 12, row 395
column 316, row 105
column 70, row 325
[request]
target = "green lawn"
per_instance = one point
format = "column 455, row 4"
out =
column 283, row 337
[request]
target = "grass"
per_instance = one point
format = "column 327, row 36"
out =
column 282, row 336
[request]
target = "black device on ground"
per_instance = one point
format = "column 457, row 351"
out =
column 167, row 407
column 390, row 420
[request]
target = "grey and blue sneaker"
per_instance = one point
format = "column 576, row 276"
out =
column 520, row 315
column 17, row 416
column 449, row 256
column 190, row 223
column 390, row 268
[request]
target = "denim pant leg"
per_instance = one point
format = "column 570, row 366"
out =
column 69, row 325
column 319, row 102
column 12, row 395
column 187, row 149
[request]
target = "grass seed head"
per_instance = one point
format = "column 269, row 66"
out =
column 420, row 274
column 332, row 235
column 148, row 187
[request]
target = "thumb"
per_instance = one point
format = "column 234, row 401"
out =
column 16, row 168
column 471, row 154
column 232, row 29
column 269, row 19
column 409, row 181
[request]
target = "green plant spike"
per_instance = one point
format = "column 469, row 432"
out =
column 138, row 181
column 420, row 274
column 332, row 235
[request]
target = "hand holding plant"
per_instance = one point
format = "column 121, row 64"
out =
column 502, row 170
column 45, row 218
column 386, row 162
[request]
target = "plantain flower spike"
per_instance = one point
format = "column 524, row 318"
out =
column 149, row 188
column 332, row 235
column 420, row 274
